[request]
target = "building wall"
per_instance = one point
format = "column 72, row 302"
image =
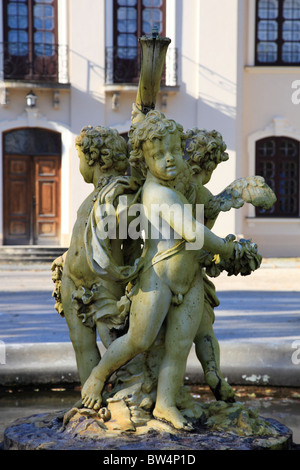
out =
column 218, row 88
column 81, row 103
column 267, row 109
column 207, row 96
column 86, row 69
column 13, row 115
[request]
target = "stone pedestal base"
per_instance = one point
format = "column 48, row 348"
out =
column 47, row 431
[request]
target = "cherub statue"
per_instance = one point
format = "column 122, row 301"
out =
column 204, row 151
column 91, row 298
column 170, row 286
column 135, row 294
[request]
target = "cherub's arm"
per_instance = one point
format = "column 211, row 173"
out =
column 59, row 262
column 176, row 211
column 205, row 197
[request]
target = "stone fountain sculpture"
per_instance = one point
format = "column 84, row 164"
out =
column 137, row 274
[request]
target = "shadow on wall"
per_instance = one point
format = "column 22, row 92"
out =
column 211, row 113
column 89, row 71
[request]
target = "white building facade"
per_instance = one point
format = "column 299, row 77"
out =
column 233, row 66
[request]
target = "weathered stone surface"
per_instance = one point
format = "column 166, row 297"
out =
column 84, row 430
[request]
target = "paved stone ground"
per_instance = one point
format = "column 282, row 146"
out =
column 257, row 322
column 27, row 313
column 263, row 305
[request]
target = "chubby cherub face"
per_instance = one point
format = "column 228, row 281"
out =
column 163, row 156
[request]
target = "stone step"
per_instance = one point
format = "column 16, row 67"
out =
column 29, row 254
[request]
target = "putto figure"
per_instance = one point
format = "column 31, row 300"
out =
column 89, row 298
column 161, row 294
column 149, row 297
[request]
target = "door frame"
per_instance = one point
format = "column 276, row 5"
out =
column 33, row 182
column 35, row 119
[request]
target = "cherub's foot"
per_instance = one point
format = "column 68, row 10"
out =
column 220, row 388
column 173, row 416
column 91, row 393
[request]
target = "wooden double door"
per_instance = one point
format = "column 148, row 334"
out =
column 31, row 200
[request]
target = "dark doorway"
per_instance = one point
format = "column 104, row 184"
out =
column 32, row 161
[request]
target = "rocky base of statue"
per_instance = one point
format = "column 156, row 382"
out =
column 222, row 426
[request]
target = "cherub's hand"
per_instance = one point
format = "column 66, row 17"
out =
column 237, row 257
column 244, row 258
column 58, row 262
column 229, row 247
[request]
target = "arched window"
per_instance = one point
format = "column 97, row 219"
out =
column 277, row 160
column 277, row 32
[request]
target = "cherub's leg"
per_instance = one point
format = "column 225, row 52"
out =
column 182, row 322
column 105, row 334
column 148, row 310
column 208, row 352
column 83, row 338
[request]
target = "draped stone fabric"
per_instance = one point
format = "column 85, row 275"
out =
column 98, row 249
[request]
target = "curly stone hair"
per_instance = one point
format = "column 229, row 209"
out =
column 105, row 146
column 155, row 125
column 204, row 149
